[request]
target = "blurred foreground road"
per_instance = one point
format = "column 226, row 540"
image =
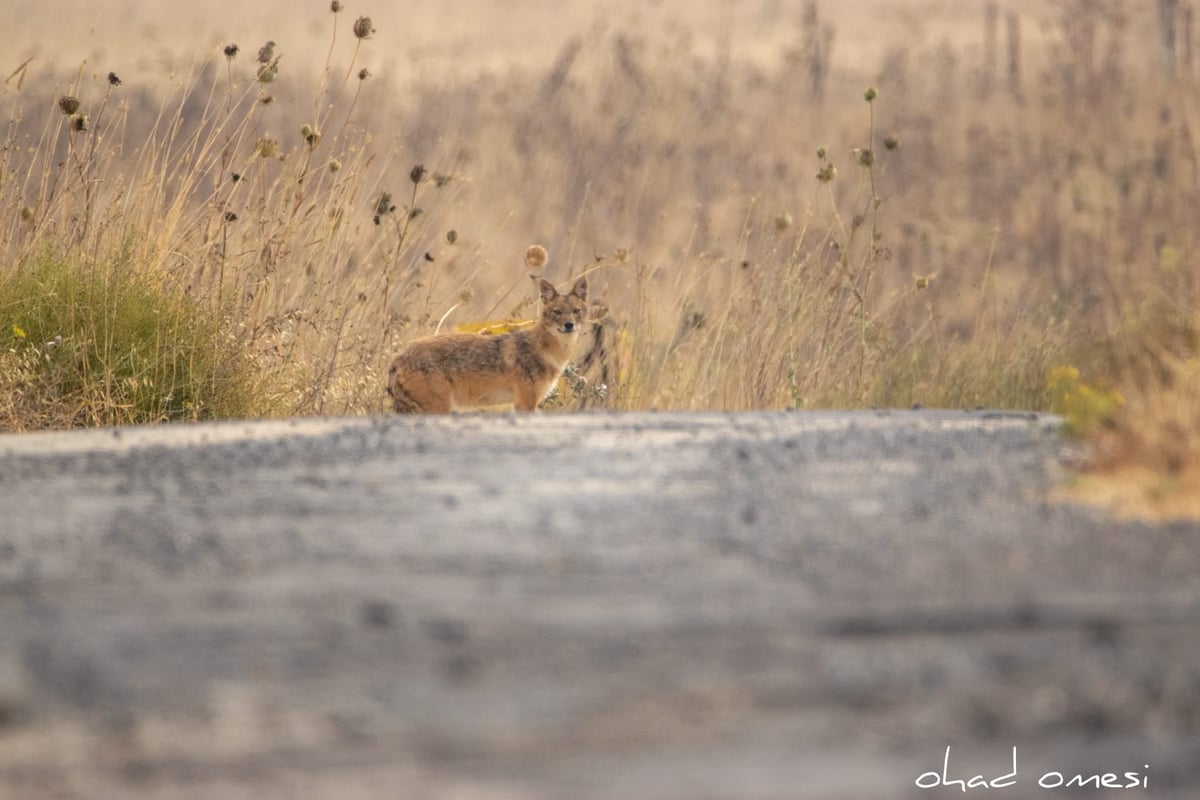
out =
column 632, row 607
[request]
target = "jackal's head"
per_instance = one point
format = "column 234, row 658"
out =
column 564, row 313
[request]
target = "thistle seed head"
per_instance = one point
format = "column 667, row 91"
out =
column 536, row 256
column 79, row 122
column 114, row 79
column 69, row 104
column 865, row 156
column 870, row 94
column 383, row 206
column 267, row 72
column 417, row 174
column 231, row 50
column 266, row 147
column 364, row 73
column 311, row 135
column 335, row 7
column 363, row 28
column 266, row 53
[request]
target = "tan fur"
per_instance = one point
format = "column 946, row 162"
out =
column 463, row 371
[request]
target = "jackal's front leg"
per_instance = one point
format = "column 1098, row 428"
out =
column 525, row 397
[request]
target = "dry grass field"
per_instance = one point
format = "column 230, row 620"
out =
column 778, row 203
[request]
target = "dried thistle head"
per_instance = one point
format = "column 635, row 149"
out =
column 69, row 104
column 335, row 7
column 363, row 27
column 891, row 142
column 384, row 206
column 417, row 174
column 266, row 147
column 783, row 222
column 267, row 72
column 79, row 122
column 311, row 135
column 364, row 73
column 334, row 165
column 230, row 50
column 114, row 79
column 266, row 53
column 870, row 94
column 451, row 236
column 536, row 256
column 827, row 172
column 865, row 156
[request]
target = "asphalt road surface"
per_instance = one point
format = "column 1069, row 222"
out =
column 626, row 607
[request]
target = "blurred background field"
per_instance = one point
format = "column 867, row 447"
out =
column 1008, row 221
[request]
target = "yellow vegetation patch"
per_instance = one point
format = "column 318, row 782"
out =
column 495, row 327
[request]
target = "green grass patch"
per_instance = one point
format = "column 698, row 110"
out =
column 104, row 344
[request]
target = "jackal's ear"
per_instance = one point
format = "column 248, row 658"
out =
column 547, row 290
column 580, row 289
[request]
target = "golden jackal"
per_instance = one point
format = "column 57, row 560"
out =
column 462, row 371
